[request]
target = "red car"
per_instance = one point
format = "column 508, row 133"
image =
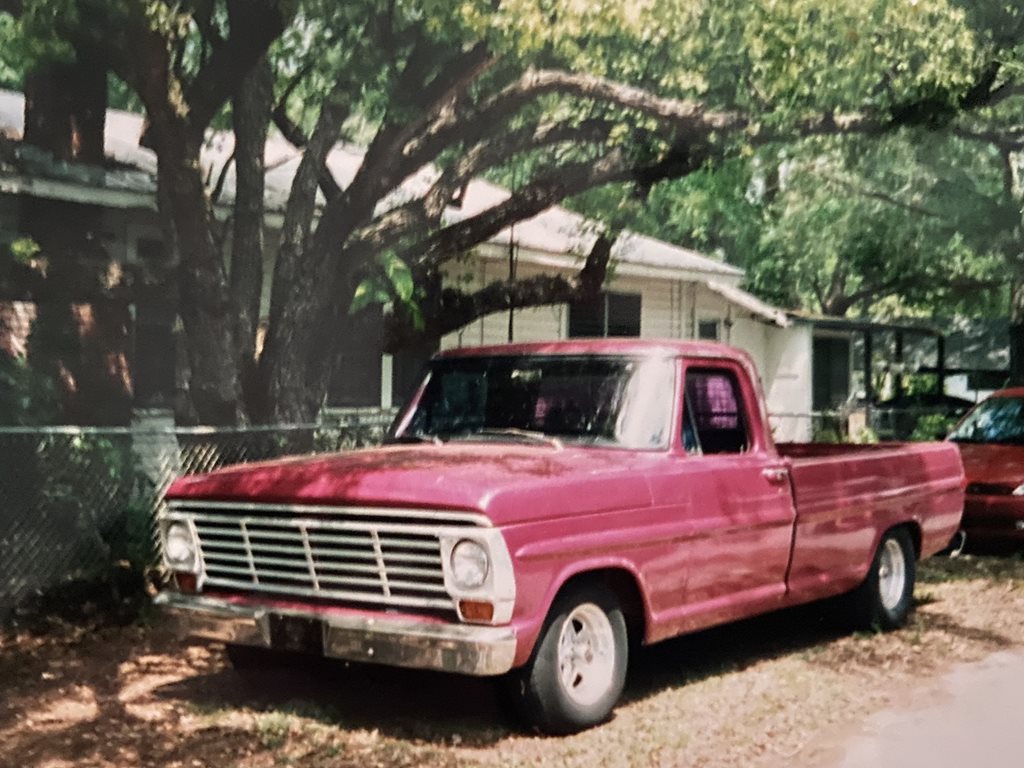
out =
column 991, row 440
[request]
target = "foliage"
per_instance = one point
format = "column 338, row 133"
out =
column 933, row 426
column 568, row 96
column 86, row 515
column 10, row 65
column 26, row 396
column 838, row 225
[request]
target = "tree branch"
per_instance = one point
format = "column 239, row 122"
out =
column 251, row 106
column 885, row 198
column 454, row 308
column 985, row 93
column 425, row 212
column 1011, row 140
column 537, row 196
column 384, row 167
column 687, row 118
column 302, row 197
column 255, row 24
column 298, row 139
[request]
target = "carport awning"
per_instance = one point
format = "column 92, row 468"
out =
column 750, row 303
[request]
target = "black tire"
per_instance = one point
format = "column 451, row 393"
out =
column 884, row 600
column 541, row 693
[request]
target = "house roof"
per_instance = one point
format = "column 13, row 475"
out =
column 749, row 302
column 863, row 325
column 130, row 182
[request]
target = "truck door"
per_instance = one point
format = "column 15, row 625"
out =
column 741, row 507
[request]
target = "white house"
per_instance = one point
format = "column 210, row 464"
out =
column 655, row 289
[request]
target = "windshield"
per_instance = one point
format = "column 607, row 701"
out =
column 996, row 420
column 612, row 401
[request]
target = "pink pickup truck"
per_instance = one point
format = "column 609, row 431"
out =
column 539, row 507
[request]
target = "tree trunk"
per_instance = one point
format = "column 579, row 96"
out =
column 293, row 338
column 1017, row 331
column 66, row 109
column 306, row 344
column 87, row 86
column 205, row 302
column 251, row 115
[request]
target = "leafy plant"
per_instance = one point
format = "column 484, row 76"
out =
column 933, row 426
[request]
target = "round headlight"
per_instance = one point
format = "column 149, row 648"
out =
column 470, row 564
column 179, row 547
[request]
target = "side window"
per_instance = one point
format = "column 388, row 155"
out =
column 713, row 417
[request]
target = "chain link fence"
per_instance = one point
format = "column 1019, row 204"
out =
column 78, row 505
column 864, row 425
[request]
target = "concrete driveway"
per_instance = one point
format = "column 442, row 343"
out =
column 971, row 718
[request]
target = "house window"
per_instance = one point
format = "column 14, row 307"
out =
column 709, row 329
column 608, row 314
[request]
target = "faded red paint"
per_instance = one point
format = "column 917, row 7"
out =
column 706, row 539
column 992, row 514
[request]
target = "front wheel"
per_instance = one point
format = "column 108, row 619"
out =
column 885, row 598
column 578, row 669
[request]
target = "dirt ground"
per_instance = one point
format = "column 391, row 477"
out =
column 777, row 691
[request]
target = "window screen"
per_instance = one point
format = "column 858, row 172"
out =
column 714, row 421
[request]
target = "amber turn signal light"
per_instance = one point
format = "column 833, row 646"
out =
column 187, row 583
column 475, row 610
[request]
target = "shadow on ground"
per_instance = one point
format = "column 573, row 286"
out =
column 118, row 696
column 437, row 708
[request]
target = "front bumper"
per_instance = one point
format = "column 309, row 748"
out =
column 465, row 649
column 993, row 518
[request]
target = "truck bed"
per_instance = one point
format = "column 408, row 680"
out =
column 846, row 496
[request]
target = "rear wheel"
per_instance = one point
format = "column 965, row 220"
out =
column 578, row 669
column 885, row 598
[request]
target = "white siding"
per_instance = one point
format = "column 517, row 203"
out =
column 535, row 324
column 669, row 309
column 659, row 318
column 749, row 335
column 787, row 381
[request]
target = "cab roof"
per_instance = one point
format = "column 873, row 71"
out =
column 610, row 346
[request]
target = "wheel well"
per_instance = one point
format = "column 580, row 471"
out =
column 623, row 585
column 915, row 535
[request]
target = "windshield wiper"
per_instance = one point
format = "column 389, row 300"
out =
column 522, row 434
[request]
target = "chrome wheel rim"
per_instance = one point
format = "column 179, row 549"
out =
column 892, row 574
column 586, row 654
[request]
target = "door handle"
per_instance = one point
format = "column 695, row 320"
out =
column 775, row 475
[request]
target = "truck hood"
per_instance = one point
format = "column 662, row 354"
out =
column 993, row 463
column 508, row 483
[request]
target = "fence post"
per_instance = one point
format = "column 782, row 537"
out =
column 155, row 446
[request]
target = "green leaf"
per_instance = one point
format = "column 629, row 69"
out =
column 24, row 249
column 399, row 275
column 370, row 291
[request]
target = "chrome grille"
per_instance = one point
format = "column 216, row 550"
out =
column 362, row 555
